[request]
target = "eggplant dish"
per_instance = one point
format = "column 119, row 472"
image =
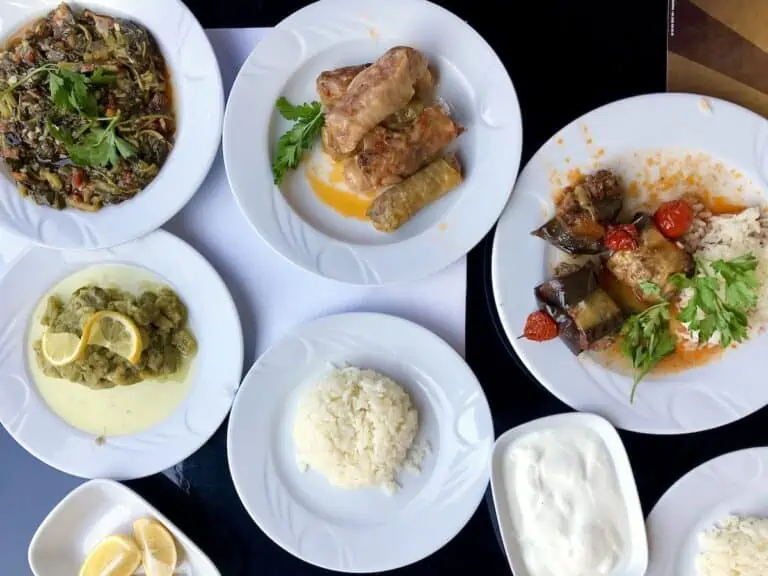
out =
column 640, row 277
column 379, row 121
column 582, row 212
column 86, row 112
column 585, row 314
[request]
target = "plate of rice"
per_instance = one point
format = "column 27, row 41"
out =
column 714, row 520
column 630, row 267
column 360, row 443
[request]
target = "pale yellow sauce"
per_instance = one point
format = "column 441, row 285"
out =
column 114, row 411
column 332, row 192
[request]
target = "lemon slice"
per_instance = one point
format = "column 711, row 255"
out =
column 113, row 556
column 62, row 348
column 116, row 332
column 157, row 546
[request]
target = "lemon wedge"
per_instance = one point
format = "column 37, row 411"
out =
column 157, row 546
column 116, row 332
column 114, row 556
column 62, row 348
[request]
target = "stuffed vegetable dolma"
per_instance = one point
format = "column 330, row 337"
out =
column 387, row 157
column 399, row 203
column 581, row 213
column 585, row 314
column 375, row 93
column 654, row 260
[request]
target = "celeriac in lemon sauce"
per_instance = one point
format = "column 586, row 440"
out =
column 119, row 410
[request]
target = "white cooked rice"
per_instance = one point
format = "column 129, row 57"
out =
column 357, row 428
column 726, row 237
column 737, row 547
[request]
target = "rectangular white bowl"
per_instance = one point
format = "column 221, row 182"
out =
column 636, row 560
column 90, row 513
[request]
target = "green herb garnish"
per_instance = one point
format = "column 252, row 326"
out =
column 649, row 288
column 99, row 146
column 309, row 119
column 707, row 311
column 646, row 340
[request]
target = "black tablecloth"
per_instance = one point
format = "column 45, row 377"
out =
column 565, row 58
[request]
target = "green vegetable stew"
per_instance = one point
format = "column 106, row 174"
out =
column 86, row 115
column 160, row 316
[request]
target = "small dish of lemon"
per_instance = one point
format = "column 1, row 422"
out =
column 103, row 528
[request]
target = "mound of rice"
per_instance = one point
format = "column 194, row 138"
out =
column 738, row 547
column 726, row 237
column 357, row 428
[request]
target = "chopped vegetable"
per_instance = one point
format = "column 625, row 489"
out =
column 621, row 237
column 309, row 119
column 540, row 327
column 86, row 117
column 646, row 340
column 674, row 218
column 723, row 293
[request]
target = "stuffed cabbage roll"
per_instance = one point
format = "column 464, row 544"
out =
column 375, row 93
column 332, row 84
column 585, row 313
column 387, row 157
column 399, row 203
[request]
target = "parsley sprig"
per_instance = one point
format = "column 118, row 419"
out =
column 308, row 120
column 647, row 338
column 96, row 146
column 724, row 292
column 72, row 92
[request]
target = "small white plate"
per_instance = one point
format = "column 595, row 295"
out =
column 609, row 137
column 636, row 561
column 362, row 530
column 215, row 373
column 333, row 33
column 733, row 484
column 199, row 102
column 90, row 513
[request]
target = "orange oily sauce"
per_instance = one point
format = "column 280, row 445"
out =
column 685, row 357
column 348, row 204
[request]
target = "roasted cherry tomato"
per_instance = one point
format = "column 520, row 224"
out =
column 540, row 327
column 621, row 237
column 674, row 218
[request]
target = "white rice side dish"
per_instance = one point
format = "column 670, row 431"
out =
column 737, row 547
column 727, row 237
column 358, row 429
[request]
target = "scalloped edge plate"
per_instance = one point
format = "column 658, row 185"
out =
column 698, row 399
column 361, row 530
column 490, row 149
column 215, row 375
column 733, row 483
column 199, row 100
column 90, row 513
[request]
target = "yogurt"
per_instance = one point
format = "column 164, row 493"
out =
column 568, row 514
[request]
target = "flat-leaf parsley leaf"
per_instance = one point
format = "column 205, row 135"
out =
column 309, row 119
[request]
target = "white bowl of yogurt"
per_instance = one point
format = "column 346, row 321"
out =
column 566, row 499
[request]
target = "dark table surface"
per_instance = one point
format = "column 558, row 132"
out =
column 565, row 58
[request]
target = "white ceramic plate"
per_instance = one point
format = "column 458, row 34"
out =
column 199, row 101
column 363, row 530
column 334, row 33
column 90, row 513
column 636, row 559
column 215, row 374
column 675, row 125
column 733, row 484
